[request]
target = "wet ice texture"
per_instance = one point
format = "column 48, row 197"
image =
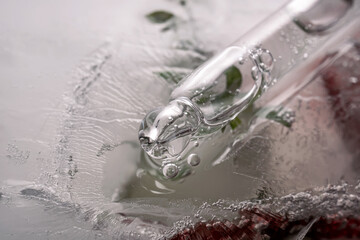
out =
column 303, row 209
column 322, row 145
column 96, row 154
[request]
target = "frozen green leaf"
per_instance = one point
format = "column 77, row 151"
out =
column 233, row 78
column 182, row 2
column 235, row 123
column 171, row 77
column 280, row 118
column 203, row 100
column 159, row 16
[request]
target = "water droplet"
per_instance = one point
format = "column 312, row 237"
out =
column 305, row 56
column 241, row 60
column 170, row 118
column 196, row 144
column 353, row 80
column 193, row 159
column 170, row 170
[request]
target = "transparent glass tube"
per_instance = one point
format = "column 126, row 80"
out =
column 265, row 67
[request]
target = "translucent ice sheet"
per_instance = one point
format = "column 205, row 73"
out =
column 77, row 78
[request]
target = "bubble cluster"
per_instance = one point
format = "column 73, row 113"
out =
column 288, row 116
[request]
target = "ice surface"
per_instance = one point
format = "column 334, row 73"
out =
column 77, row 78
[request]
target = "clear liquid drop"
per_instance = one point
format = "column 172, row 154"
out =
column 170, row 170
column 193, row 159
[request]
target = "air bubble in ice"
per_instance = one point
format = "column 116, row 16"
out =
column 193, row 159
column 170, row 170
column 288, row 116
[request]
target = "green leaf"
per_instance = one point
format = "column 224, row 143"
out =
column 203, row 100
column 275, row 116
column 233, row 82
column 159, row 16
column 235, row 123
column 171, row 77
column 171, row 26
column 233, row 78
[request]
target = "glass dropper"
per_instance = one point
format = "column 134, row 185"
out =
column 265, row 67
